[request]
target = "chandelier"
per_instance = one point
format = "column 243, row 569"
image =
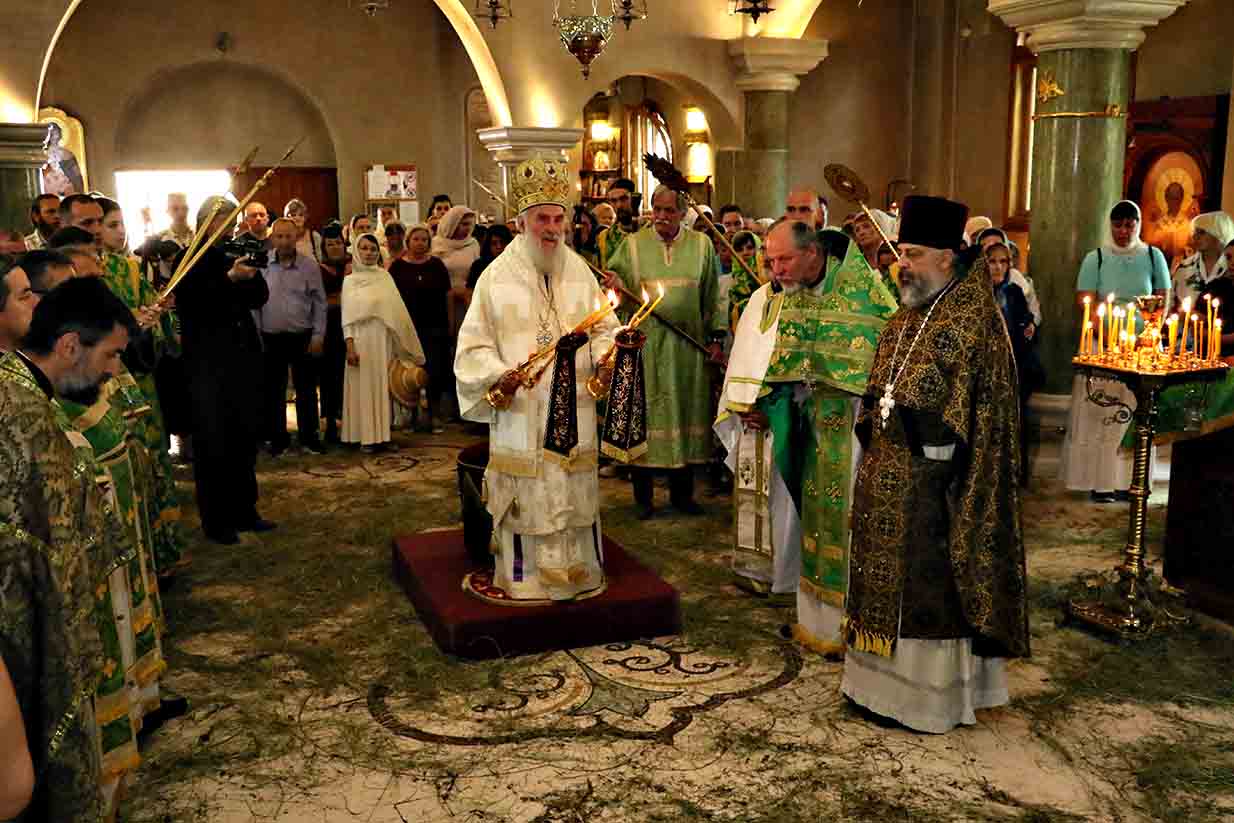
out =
column 370, row 7
column 583, row 35
column 494, row 11
column 754, row 8
column 627, row 11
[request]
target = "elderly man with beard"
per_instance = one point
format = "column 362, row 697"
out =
column 937, row 583
column 798, row 368
column 679, row 406
column 542, row 487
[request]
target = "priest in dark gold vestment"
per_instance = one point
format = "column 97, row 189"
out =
column 936, row 600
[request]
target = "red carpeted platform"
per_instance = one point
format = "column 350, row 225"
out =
column 431, row 567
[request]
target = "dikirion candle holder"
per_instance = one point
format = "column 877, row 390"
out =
column 1147, row 364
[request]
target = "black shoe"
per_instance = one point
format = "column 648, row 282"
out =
column 1102, row 497
column 258, row 525
column 223, row 538
column 646, row 512
column 689, row 507
column 169, row 709
column 313, row 448
column 332, row 437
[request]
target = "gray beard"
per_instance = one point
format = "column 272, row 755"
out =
column 918, row 293
column 546, row 263
column 793, row 288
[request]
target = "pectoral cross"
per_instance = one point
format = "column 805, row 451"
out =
column 886, row 404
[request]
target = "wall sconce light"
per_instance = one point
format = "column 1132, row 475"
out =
column 696, row 126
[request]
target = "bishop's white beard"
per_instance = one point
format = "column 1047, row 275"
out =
column 792, row 288
column 546, row 263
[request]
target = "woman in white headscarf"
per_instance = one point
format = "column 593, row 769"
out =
column 455, row 246
column 1210, row 234
column 1125, row 267
column 377, row 329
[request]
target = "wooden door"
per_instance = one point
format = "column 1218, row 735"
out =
column 317, row 186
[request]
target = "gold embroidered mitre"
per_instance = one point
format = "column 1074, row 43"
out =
column 541, row 181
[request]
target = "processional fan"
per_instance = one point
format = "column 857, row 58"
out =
column 845, row 183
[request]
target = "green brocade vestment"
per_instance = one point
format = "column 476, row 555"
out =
column 60, row 541
column 826, row 341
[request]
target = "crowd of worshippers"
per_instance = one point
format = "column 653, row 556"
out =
column 101, row 367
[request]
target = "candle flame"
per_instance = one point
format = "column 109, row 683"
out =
column 1087, row 299
column 1101, row 310
column 660, row 286
column 1186, row 306
column 612, row 298
column 1216, row 302
column 1110, row 298
column 646, row 299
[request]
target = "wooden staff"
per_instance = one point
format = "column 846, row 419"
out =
column 188, row 262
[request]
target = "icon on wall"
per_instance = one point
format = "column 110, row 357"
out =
column 1171, row 196
column 64, row 171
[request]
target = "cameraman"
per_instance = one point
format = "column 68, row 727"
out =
column 222, row 359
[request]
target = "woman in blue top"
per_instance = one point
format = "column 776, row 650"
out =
column 1126, row 267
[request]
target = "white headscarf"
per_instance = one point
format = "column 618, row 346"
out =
column 1137, row 244
column 976, row 225
column 1216, row 223
column 444, row 242
column 369, row 293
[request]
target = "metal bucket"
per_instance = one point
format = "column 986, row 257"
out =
column 477, row 522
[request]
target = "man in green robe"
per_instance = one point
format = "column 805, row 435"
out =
column 621, row 197
column 798, row 367
column 59, row 544
column 158, row 339
column 679, row 410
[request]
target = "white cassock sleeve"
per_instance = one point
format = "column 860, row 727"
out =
column 478, row 363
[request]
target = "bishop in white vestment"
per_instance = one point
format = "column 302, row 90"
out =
column 543, row 495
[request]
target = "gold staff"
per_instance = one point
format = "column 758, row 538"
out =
column 845, row 182
column 188, row 262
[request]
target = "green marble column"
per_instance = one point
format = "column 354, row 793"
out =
column 760, row 171
column 1077, row 177
column 21, row 155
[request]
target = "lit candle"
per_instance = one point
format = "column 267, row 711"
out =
column 1172, row 324
column 1216, row 326
column 1131, row 321
column 1208, row 312
column 1117, row 331
column 1109, row 317
column 1182, row 342
column 638, row 315
column 1086, row 339
column 652, row 307
column 1101, row 329
column 1084, row 324
column 1122, row 339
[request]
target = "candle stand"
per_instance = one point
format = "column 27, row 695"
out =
column 1146, row 372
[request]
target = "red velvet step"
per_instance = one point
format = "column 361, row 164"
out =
column 431, row 566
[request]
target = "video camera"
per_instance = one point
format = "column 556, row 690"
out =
column 246, row 246
column 155, row 249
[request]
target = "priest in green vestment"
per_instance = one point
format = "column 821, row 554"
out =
column 679, row 406
column 798, row 367
column 60, row 542
column 937, row 594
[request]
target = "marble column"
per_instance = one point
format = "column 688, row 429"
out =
column 511, row 145
column 1083, row 72
column 21, row 155
column 768, row 72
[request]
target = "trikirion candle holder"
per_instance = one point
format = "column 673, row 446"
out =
column 1146, row 372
